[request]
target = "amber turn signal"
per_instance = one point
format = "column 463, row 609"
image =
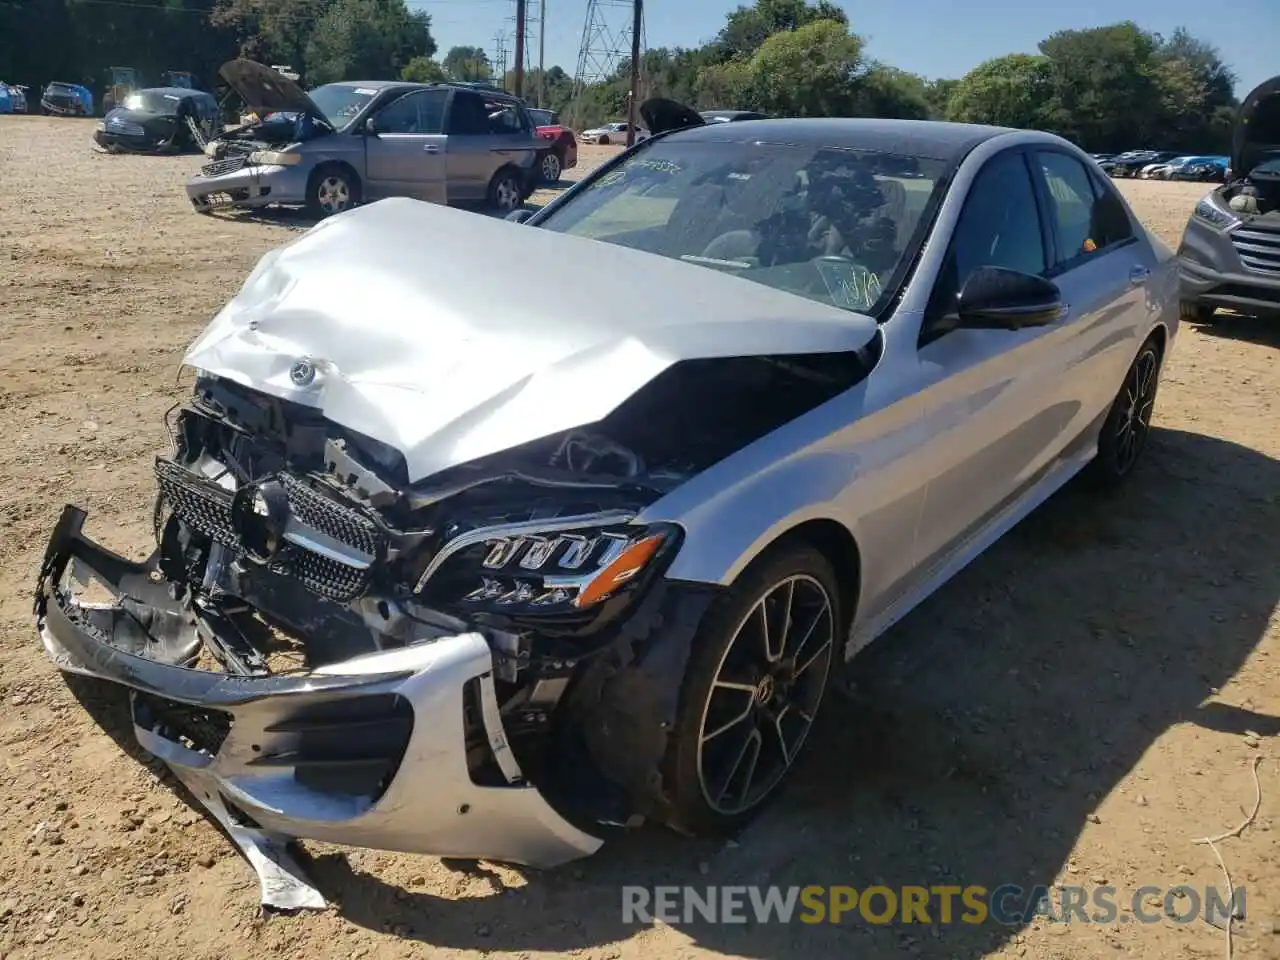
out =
column 628, row 563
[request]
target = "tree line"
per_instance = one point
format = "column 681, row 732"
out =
column 1106, row 88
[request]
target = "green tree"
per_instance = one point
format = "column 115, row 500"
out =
column 1008, row 91
column 366, row 40
column 468, row 63
column 808, row 72
column 747, row 28
column 1104, row 89
column 423, row 70
column 885, row 91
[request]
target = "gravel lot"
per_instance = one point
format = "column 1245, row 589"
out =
column 1074, row 708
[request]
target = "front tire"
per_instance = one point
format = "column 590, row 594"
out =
column 332, row 190
column 1128, row 424
column 1191, row 312
column 751, row 692
column 603, row 141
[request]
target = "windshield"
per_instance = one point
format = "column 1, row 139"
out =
column 152, row 101
column 340, row 103
column 826, row 223
column 62, row 88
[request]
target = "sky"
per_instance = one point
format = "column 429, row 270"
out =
column 935, row 38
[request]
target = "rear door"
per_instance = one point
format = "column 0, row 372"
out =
column 405, row 155
column 1101, row 265
column 484, row 136
column 469, row 147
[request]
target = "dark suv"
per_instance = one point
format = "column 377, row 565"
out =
column 1230, row 250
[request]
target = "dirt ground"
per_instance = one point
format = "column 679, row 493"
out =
column 1073, row 709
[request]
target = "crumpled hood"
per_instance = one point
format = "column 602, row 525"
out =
column 265, row 90
column 450, row 335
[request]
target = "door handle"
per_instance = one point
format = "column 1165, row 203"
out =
column 1139, row 273
column 430, row 148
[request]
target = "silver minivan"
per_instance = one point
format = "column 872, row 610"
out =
column 351, row 142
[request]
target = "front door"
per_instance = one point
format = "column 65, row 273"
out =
column 406, row 152
column 993, row 397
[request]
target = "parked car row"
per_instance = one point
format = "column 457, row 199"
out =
column 1163, row 165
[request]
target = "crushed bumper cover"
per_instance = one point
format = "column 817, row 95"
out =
column 367, row 752
column 247, row 187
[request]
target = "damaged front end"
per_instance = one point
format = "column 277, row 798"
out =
column 327, row 652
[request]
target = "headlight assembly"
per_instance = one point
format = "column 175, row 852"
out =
column 273, row 158
column 557, row 566
column 1214, row 215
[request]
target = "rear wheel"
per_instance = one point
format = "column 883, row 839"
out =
column 550, row 167
column 1125, row 431
column 505, row 193
column 751, row 692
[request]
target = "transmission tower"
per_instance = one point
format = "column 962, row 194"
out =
column 500, row 58
column 606, row 42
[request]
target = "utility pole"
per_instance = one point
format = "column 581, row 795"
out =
column 637, row 24
column 542, row 50
column 522, row 13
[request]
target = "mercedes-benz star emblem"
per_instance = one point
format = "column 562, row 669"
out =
column 303, row 373
column 260, row 514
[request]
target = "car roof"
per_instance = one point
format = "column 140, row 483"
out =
column 175, row 91
column 934, row 139
column 381, row 85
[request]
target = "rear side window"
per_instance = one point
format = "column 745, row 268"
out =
column 467, row 115
column 1087, row 217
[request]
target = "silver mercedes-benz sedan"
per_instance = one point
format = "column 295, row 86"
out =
column 443, row 566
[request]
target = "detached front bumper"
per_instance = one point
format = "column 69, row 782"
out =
column 248, row 187
column 368, row 752
column 133, row 143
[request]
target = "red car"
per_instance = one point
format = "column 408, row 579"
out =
column 563, row 152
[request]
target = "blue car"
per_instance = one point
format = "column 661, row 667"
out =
column 6, row 101
column 67, row 100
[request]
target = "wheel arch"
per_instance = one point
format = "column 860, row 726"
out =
column 334, row 164
column 837, row 544
column 526, row 178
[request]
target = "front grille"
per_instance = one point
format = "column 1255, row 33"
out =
column 221, row 167
column 1258, row 249
column 332, row 518
column 206, row 508
column 203, row 506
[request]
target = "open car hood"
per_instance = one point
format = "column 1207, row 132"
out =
column 1257, row 127
column 443, row 353
column 265, row 90
column 660, row 114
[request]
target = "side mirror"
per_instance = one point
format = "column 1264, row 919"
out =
column 995, row 298
column 519, row 216
column 370, row 128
